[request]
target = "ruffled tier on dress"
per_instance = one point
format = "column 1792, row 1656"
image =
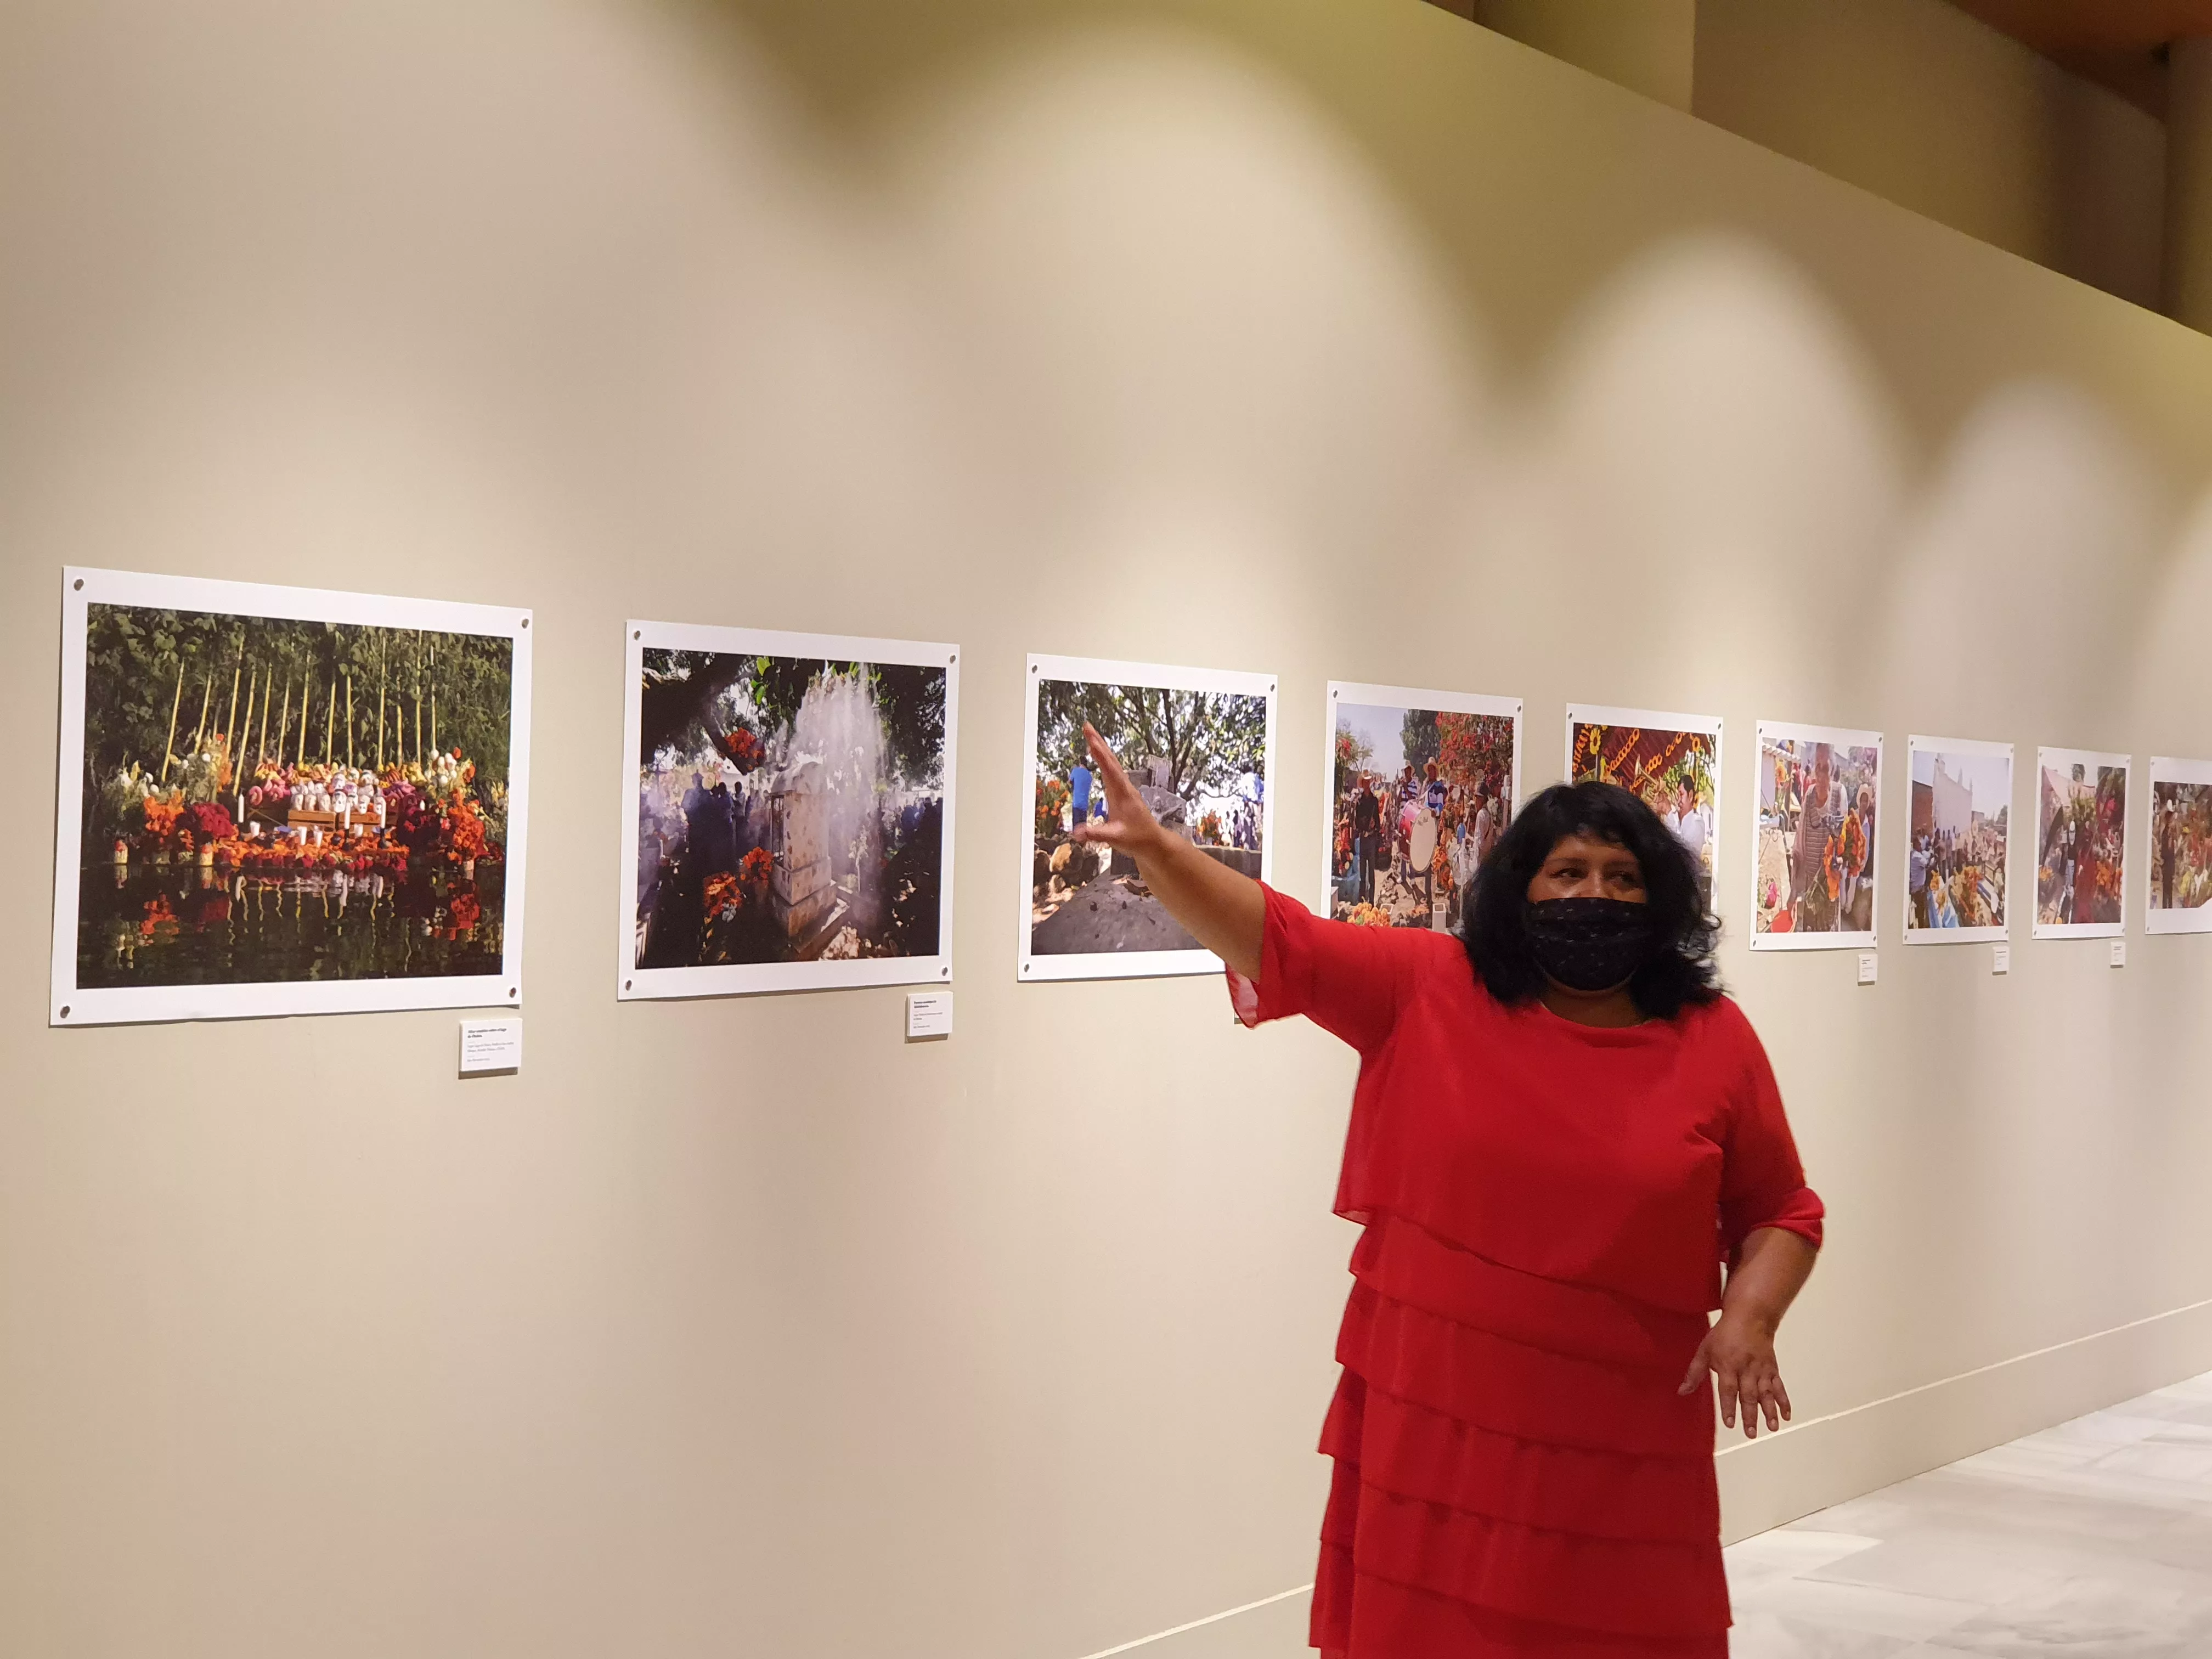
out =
column 1506, row 1447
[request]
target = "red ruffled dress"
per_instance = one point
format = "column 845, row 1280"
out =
column 1546, row 1206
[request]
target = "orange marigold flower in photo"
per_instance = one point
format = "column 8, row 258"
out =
column 468, row 831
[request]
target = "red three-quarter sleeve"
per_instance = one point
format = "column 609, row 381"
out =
column 1350, row 982
column 1762, row 1180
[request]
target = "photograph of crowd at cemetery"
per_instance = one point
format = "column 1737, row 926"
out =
column 1200, row 760
column 1418, row 797
column 267, row 800
column 2081, row 843
column 1814, row 873
column 1959, row 837
column 790, row 808
column 2180, row 847
column 1671, row 761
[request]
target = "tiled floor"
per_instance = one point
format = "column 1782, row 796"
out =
column 2091, row 1538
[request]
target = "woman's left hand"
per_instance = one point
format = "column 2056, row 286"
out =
column 1739, row 1352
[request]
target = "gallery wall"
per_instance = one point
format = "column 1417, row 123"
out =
column 1318, row 339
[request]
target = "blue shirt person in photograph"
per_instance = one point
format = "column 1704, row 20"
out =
column 1078, row 789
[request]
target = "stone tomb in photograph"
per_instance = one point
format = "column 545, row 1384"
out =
column 1101, row 903
column 801, row 895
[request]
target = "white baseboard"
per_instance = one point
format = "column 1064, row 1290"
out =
column 1812, row 1465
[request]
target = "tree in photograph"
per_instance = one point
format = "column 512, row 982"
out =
column 1418, row 736
column 1476, row 749
column 1352, row 753
column 695, row 701
column 1209, row 740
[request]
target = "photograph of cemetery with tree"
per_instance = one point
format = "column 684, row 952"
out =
column 269, row 799
column 1419, row 798
column 1200, row 760
column 790, row 808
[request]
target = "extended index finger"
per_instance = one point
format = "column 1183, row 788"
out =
column 1109, row 761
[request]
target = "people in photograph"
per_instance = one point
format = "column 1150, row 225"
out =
column 1464, row 866
column 1524, row 1424
column 1690, row 826
column 2087, row 858
column 2166, row 853
column 2065, row 861
column 1858, row 848
column 1812, row 857
column 1367, row 834
column 1942, row 913
column 1078, row 794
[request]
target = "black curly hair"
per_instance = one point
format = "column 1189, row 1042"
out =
column 1680, row 974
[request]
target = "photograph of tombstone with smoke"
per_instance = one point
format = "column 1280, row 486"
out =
column 1199, row 743
column 787, row 811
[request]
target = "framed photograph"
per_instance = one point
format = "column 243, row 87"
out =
column 1418, row 787
column 1815, row 840
column 277, row 800
column 1199, row 744
column 2180, row 847
column 1958, row 840
column 1672, row 761
column 2080, row 844
column 787, row 817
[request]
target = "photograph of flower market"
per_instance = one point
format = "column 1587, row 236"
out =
column 2080, row 841
column 790, row 808
column 272, row 800
column 1676, row 771
column 1958, row 840
column 1815, row 875
column 1200, row 760
column 2180, row 850
column 1419, row 797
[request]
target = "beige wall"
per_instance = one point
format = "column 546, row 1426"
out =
column 1646, row 45
column 1921, row 103
column 1331, row 338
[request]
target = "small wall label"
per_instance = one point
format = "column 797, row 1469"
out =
column 2001, row 958
column 490, row 1045
column 928, row 1014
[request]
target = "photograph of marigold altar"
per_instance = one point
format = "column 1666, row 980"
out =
column 271, row 807
column 1671, row 762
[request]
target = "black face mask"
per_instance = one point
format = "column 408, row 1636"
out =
column 1590, row 944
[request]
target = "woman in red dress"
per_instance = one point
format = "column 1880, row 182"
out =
column 1566, row 1149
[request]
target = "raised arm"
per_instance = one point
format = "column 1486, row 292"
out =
column 1224, row 911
